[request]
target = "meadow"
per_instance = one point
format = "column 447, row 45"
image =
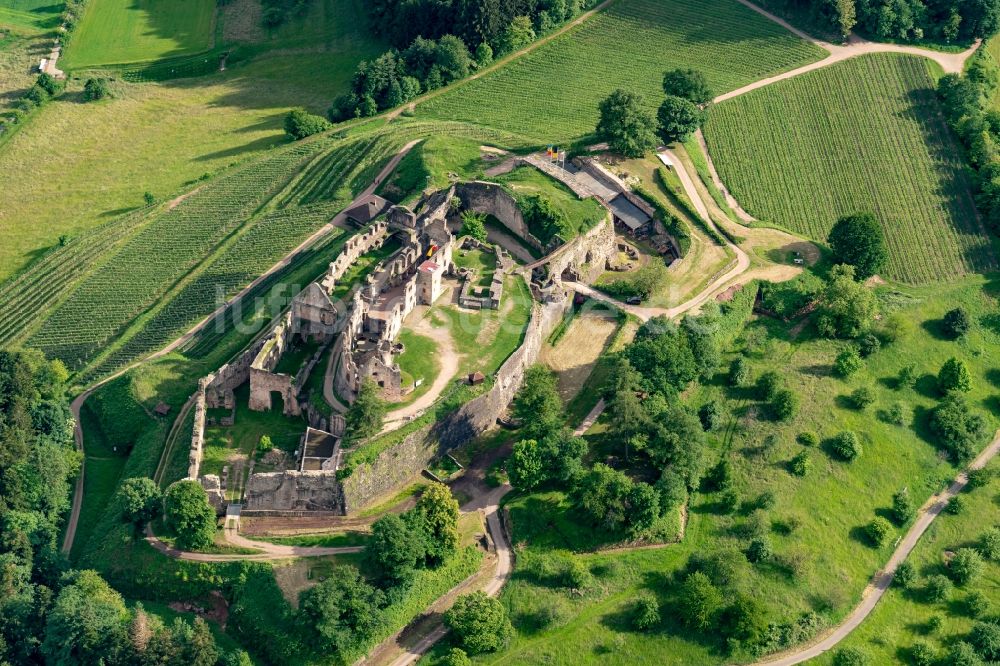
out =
column 865, row 135
column 821, row 562
column 29, row 16
column 551, row 94
column 125, row 31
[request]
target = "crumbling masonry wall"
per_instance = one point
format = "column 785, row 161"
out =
column 493, row 199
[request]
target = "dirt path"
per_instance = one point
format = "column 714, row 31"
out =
column 77, row 403
column 267, row 551
column 951, row 63
column 328, row 393
column 880, row 583
column 448, row 357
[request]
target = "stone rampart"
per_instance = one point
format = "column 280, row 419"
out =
column 492, row 199
column 586, row 256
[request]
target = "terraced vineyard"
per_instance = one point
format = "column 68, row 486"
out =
column 273, row 236
column 863, row 135
column 551, row 94
column 323, row 179
column 164, row 251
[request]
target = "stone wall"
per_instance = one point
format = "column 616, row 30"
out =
column 355, row 246
column 294, row 491
column 586, row 256
column 399, row 463
column 492, row 199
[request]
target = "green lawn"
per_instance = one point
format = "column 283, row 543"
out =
column 552, row 93
column 418, row 361
column 483, row 263
column 580, row 214
column 821, row 563
column 29, row 16
column 431, row 165
column 863, row 135
column 901, row 617
column 125, row 31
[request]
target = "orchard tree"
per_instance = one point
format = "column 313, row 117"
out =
column 966, row 566
column 989, row 544
column 187, row 513
column 479, row 622
column 688, row 84
column 95, row 89
column 954, row 376
column 140, row 500
column 905, row 575
column 678, row 118
column 878, row 531
column 938, row 588
column 625, row 124
column 848, row 362
column 847, row 445
column 902, row 507
column 784, row 404
column 857, row 240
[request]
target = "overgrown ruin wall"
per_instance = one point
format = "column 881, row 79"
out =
column 294, row 491
column 588, row 255
column 492, row 199
column 399, row 463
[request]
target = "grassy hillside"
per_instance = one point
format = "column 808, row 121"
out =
column 29, row 16
column 552, row 93
column 864, row 135
column 123, row 31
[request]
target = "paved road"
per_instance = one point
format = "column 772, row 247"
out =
column 931, row 510
column 77, row 403
column 951, row 63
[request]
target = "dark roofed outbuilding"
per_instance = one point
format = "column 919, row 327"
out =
column 629, row 215
column 368, row 209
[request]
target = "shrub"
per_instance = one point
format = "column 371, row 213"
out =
column 784, row 404
column 905, row 576
column 902, row 506
column 710, row 416
column 851, row 656
column 766, row 501
column 989, row 544
column 955, row 506
column 801, row 464
column 474, row 225
column 768, row 384
column 878, row 531
column 958, row 428
column 907, row 377
column 846, row 445
column 647, row 612
column 299, row 124
column 966, row 566
column 456, row 657
column 978, row 478
column 739, row 373
column 95, row 89
column 962, row 654
column 265, row 444
column 956, row 323
column 938, row 588
column 895, row 414
column 954, row 376
column 934, row 622
column 985, row 637
column 922, row 654
column 847, row 362
column 759, row 550
column 862, row 397
column 977, row 605
column 480, row 623
column 808, row 438
column 729, row 500
column 868, row 344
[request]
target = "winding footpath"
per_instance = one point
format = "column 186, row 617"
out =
column 951, row 63
column 880, row 583
column 339, row 221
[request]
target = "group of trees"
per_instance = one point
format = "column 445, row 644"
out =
column 946, row 20
column 967, row 103
column 630, row 130
column 299, row 124
column 44, row 88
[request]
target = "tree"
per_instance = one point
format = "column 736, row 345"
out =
column 848, row 362
column 937, row 588
column 615, row 502
column 744, row 620
column 902, row 507
column 739, row 373
column 699, row 601
column 452, row 58
column 525, row 467
column 95, row 89
column 456, row 657
column 188, row 515
column 985, row 637
column 977, row 605
column 957, row 427
column 438, row 514
column 518, row 34
column 365, row 415
column 474, row 225
column 768, row 385
column 344, row 612
column 878, row 531
column 966, row 566
column 868, row 344
column 847, row 307
column 989, row 544
column 922, row 654
column 647, row 612
column 394, row 549
column 847, row 445
column 956, row 323
column 962, row 654
column 87, row 623
column 801, row 464
column 857, row 240
column 688, row 84
column 265, row 444
column 851, row 656
column 862, row 397
column 710, row 416
column 907, row 376
column 625, row 124
column 677, row 119
column 484, row 55
column 954, row 376
column 480, row 622
column 905, row 575
column 784, row 404
column 759, row 550
column 140, row 500
column 299, row 124
column 537, row 404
